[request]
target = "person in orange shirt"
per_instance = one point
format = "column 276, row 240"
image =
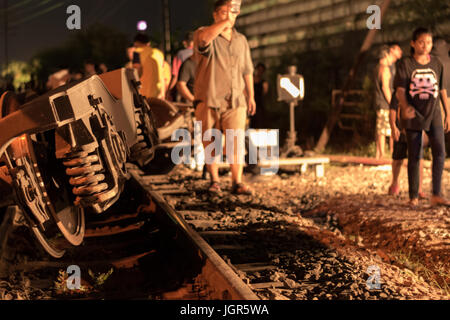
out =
column 150, row 64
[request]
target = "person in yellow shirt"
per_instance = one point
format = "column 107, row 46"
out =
column 167, row 74
column 150, row 63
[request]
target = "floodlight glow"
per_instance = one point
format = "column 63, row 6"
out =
column 142, row 25
column 286, row 84
column 302, row 88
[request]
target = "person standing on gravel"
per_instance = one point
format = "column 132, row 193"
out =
column 400, row 151
column 224, row 72
column 419, row 82
column 384, row 80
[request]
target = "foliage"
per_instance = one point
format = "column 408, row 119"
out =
column 60, row 284
column 19, row 72
column 99, row 43
column 437, row 274
column 100, row 278
column 428, row 13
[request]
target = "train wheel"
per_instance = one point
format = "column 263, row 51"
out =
column 46, row 221
column 54, row 226
column 48, row 243
column 69, row 218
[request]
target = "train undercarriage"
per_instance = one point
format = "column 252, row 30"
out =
column 63, row 155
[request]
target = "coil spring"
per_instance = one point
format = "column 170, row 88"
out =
column 84, row 169
column 141, row 150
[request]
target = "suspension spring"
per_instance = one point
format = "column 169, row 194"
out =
column 86, row 178
column 141, row 150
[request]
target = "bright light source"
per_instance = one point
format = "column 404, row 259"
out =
column 302, row 88
column 286, row 84
column 290, row 87
column 142, row 25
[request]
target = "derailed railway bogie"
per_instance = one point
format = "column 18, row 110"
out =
column 169, row 117
column 64, row 153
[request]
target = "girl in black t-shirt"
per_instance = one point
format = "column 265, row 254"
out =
column 419, row 83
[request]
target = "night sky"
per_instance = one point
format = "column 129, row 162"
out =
column 30, row 32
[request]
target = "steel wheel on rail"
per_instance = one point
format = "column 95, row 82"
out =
column 39, row 190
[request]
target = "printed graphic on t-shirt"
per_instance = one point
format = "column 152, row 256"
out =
column 424, row 84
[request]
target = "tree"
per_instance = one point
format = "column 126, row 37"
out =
column 19, row 72
column 99, row 43
column 427, row 13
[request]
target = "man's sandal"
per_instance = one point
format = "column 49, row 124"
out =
column 241, row 188
column 215, row 188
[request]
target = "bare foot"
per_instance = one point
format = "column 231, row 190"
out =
column 394, row 190
column 423, row 195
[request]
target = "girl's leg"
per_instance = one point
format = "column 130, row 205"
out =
column 437, row 142
column 414, row 140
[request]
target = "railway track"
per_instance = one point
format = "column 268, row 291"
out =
column 168, row 239
column 240, row 245
column 141, row 248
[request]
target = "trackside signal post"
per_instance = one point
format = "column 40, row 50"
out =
column 291, row 89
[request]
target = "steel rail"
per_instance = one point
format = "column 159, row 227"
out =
column 219, row 274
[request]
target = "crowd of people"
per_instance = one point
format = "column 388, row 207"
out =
column 410, row 96
column 214, row 73
column 413, row 111
column 68, row 75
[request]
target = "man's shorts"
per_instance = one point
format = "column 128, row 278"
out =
column 400, row 151
column 212, row 118
column 383, row 126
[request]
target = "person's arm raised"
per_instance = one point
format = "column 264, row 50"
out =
column 208, row 34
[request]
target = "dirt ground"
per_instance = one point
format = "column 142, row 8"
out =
column 325, row 236
column 349, row 212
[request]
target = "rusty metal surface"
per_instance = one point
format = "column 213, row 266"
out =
column 83, row 134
